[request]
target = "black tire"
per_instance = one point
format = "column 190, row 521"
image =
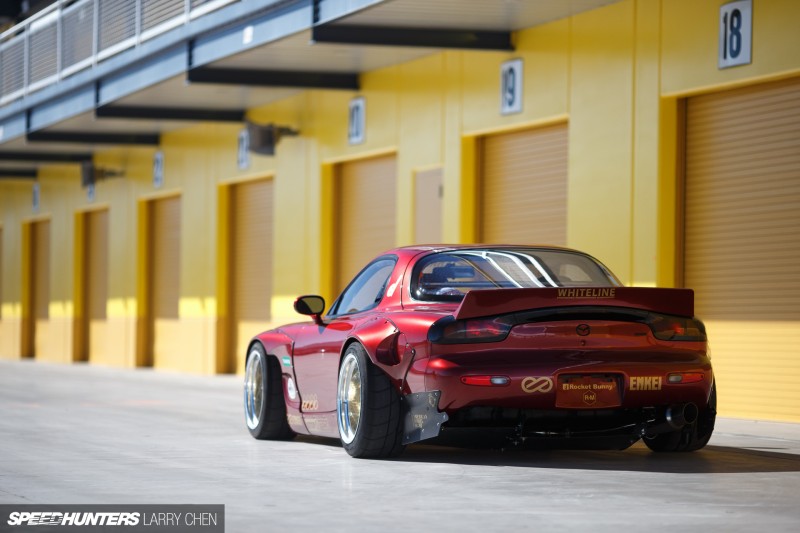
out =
column 264, row 407
column 691, row 437
column 375, row 430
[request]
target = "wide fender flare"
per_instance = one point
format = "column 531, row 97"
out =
column 385, row 344
column 389, row 349
column 275, row 343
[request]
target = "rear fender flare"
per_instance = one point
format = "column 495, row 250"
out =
column 381, row 338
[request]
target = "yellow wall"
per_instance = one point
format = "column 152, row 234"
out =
column 616, row 74
column 15, row 206
column 600, row 142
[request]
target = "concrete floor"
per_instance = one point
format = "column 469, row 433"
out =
column 86, row 434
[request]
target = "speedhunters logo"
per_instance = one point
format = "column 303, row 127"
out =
column 150, row 518
column 44, row 518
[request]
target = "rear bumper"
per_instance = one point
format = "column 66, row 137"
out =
column 638, row 384
column 617, row 429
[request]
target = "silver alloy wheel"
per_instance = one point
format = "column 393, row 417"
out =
column 254, row 389
column 349, row 398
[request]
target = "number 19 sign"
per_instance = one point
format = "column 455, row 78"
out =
column 735, row 33
column 511, row 87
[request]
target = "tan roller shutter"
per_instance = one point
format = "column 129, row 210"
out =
column 428, row 206
column 366, row 213
column 165, row 238
column 1, row 273
column 41, row 270
column 251, row 261
column 742, row 242
column 40, row 289
column 96, row 282
column 523, row 186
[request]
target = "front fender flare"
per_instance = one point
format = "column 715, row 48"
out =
column 275, row 343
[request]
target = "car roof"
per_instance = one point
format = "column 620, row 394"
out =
column 419, row 248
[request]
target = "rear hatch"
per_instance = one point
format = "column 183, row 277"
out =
column 570, row 347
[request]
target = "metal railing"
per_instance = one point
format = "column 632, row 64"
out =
column 72, row 35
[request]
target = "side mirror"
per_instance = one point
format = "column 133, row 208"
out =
column 311, row 305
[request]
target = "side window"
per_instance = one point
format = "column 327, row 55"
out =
column 367, row 289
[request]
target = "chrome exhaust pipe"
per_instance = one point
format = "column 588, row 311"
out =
column 678, row 416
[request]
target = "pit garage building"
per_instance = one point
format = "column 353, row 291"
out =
column 176, row 172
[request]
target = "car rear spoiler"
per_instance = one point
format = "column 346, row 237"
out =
column 480, row 303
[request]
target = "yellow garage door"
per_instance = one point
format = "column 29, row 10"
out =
column 165, row 239
column 742, row 242
column 96, row 283
column 366, row 213
column 523, row 187
column 251, row 262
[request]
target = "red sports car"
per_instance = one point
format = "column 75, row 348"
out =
column 486, row 345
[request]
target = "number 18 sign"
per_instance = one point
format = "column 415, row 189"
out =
column 735, row 33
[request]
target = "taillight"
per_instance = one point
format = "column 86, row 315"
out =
column 486, row 381
column 685, row 377
column 448, row 330
column 676, row 328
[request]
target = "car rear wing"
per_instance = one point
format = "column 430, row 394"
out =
column 481, row 303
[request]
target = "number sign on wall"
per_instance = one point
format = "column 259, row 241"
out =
column 243, row 151
column 735, row 33
column 158, row 169
column 37, row 197
column 511, row 87
column 357, row 122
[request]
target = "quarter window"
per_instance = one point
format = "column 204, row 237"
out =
column 367, row 289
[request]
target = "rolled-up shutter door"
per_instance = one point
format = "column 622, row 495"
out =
column 251, row 261
column 40, row 289
column 41, row 270
column 366, row 213
column 166, row 281
column 742, row 242
column 166, row 257
column 523, row 186
column 96, row 281
column 1, row 273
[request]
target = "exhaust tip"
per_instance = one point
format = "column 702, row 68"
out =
column 690, row 413
column 678, row 416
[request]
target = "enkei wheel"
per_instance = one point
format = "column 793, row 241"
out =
column 264, row 408
column 692, row 436
column 367, row 408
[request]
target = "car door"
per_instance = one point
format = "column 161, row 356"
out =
column 318, row 348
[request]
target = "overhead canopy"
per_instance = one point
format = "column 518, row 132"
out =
column 213, row 61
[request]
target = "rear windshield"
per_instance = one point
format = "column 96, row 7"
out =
column 448, row 276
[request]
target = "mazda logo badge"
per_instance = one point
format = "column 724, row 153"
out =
column 583, row 330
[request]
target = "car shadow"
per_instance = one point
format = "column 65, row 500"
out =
column 638, row 458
